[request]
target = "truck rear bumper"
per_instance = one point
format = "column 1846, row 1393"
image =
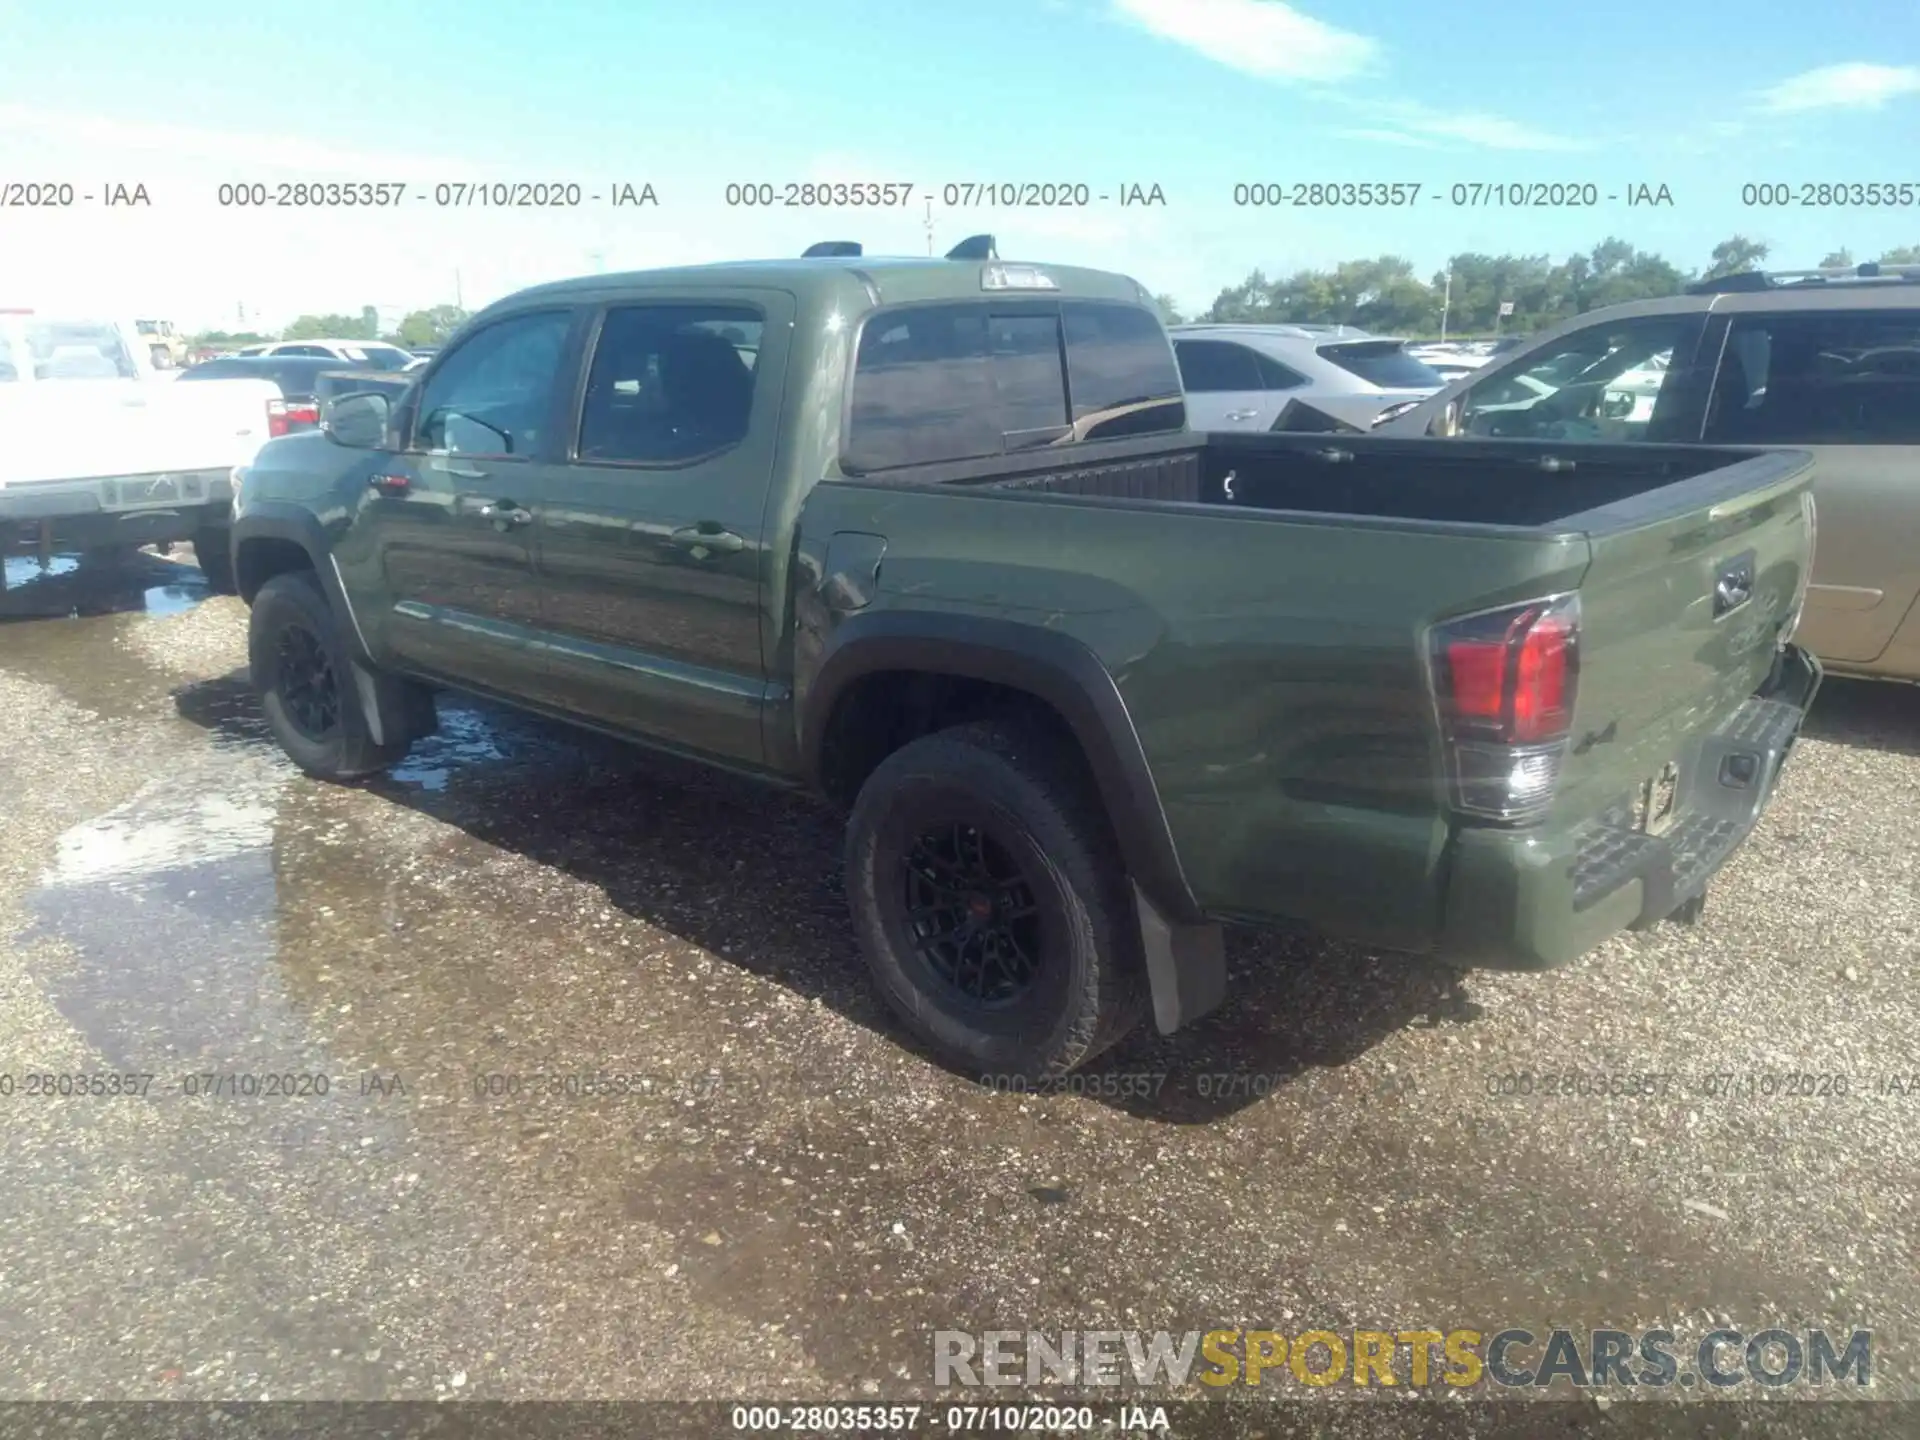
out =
column 1533, row 900
column 179, row 490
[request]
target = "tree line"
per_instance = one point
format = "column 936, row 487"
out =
column 431, row 326
column 1382, row 294
column 1387, row 296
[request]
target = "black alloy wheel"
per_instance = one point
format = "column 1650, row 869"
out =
column 306, row 682
column 974, row 915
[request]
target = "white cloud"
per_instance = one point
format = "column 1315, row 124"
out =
column 1264, row 38
column 1491, row 132
column 1854, row 86
column 1274, row 41
column 1391, row 137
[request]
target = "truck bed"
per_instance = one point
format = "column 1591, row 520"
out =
column 1268, row 631
column 1509, row 484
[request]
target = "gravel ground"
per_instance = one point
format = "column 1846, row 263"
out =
column 800, row 1200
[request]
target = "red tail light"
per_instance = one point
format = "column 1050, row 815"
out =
column 283, row 415
column 1504, row 686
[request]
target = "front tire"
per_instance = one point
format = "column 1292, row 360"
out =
column 992, row 904
column 302, row 670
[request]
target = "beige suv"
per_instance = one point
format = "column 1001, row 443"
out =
column 1826, row 361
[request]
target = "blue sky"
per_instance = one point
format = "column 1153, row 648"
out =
column 1192, row 95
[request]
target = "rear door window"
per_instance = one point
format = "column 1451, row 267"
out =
column 1218, row 367
column 670, row 383
column 1840, row 378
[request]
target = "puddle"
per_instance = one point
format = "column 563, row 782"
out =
column 25, row 569
column 66, row 589
column 172, row 905
column 466, row 737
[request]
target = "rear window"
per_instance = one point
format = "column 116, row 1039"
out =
column 69, row 350
column 958, row 382
column 1120, row 372
column 1384, row 363
column 380, row 357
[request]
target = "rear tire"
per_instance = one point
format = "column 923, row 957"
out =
column 991, row 902
column 302, row 671
column 213, row 549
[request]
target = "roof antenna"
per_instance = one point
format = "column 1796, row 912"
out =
column 975, row 247
column 831, row 247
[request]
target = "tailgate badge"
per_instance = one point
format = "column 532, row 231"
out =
column 1733, row 586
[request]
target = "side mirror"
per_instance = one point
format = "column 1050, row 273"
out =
column 1447, row 423
column 357, row 421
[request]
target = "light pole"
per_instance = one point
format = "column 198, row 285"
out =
column 1446, row 304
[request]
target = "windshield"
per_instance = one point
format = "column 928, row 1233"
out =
column 1385, row 363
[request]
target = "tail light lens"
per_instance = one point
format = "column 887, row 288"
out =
column 1504, row 687
column 283, row 416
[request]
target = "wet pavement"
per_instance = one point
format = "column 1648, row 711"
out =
column 363, row 1163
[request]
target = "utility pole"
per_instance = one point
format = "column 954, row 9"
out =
column 1446, row 303
column 459, row 298
column 929, row 225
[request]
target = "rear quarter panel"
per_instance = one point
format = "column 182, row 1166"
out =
column 1273, row 666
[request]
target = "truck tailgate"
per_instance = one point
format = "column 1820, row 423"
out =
column 88, row 429
column 1691, row 591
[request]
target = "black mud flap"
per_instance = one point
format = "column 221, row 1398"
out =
column 1186, row 966
column 1689, row 911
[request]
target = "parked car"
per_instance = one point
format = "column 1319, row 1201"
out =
column 1825, row 361
column 1241, row 377
column 298, row 377
column 1088, row 683
column 335, row 383
column 363, row 354
column 100, row 456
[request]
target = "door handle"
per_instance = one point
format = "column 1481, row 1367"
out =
column 712, row 542
column 505, row 515
column 1242, row 414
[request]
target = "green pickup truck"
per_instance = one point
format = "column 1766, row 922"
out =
column 930, row 537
